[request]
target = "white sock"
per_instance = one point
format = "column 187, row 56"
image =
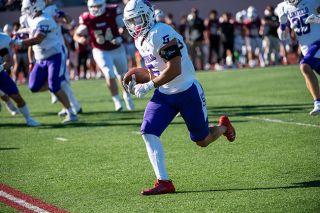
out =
column 11, row 106
column 126, row 95
column 156, row 156
column 25, row 112
column 69, row 111
column 116, row 98
column 65, row 86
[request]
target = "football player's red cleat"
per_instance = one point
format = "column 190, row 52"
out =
column 231, row 132
column 160, row 187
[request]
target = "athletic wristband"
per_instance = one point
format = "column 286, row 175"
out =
column 283, row 27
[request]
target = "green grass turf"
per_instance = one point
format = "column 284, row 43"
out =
column 272, row 167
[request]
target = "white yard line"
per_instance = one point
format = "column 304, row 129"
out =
column 61, row 139
column 22, row 203
column 282, row 122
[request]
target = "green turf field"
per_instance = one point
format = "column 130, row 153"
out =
column 272, row 167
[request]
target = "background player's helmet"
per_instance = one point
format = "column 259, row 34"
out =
column 241, row 15
column 252, row 13
column 31, row 7
column 159, row 15
column 138, row 17
column 293, row 2
column 97, row 7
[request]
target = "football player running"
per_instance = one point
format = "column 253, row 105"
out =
column 45, row 42
column 7, row 85
column 101, row 23
column 177, row 91
column 62, row 18
column 303, row 17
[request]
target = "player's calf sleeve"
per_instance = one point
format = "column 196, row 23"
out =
column 156, row 155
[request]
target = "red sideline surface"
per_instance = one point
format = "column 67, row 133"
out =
column 28, row 199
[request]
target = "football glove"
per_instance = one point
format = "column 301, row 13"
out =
column 130, row 86
column 283, row 18
column 313, row 19
column 140, row 90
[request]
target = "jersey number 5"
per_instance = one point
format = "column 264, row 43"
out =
column 100, row 38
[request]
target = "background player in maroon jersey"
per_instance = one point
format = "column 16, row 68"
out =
column 102, row 24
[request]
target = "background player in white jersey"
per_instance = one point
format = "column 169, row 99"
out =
column 7, row 85
column 44, row 39
column 102, row 24
column 62, row 18
column 177, row 90
column 303, row 17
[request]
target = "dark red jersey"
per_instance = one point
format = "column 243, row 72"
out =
column 102, row 29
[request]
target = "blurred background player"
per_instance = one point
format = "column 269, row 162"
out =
column 271, row 44
column 101, row 23
column 62, row 18
column 177, row 90
column 252, row 25
column 303, row 16
column 7, row 85
column 47, row 48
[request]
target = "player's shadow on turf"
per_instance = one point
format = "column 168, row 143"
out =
column 308, row 184
column 268, row 109
column 8, row 148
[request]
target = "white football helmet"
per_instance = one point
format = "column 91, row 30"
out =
column 31, row 7
column 252, row 13
column 241, row 16
column 138, row 17
column 293, row 2
column 159, row 15
column 97, row 7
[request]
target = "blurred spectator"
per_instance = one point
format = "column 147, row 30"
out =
column 213, row 33
column 195, row 38
column 271, row 42
column 183, row 26
column 169, row 20
column 227, row 30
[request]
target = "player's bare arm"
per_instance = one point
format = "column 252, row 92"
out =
column 172, row 56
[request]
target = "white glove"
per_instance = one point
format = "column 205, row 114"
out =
column 313, row 19
column 140, row 90
column 117, row 41
column 130, row 86
column 283, row 18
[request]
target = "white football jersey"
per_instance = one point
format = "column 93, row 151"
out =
column 52, row 11
column 149, row 49
column 297, row 15
column 51, row 44
column 4, row 43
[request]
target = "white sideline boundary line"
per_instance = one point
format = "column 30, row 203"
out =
column 282, row 122
column 22, row 202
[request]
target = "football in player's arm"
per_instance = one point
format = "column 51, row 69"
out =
column 177, row 91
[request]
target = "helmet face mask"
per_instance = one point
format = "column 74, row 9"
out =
column 96, row 7
column 32, row 7
column 293, row 2
column 139, row 17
